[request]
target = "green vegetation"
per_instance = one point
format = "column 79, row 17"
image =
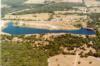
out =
column 96, row 23
column 38, row 8
column 78, row 25
column 22, row 54
column 17, row 5
column 25, row 54
column 95, row 17
column 97, row 44
column 13, row 2
column 67, row 40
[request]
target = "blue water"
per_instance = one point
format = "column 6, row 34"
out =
column 11, row 29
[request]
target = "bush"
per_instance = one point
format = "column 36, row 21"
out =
column 90, row 62
column 79, row 62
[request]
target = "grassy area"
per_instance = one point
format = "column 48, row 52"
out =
column 38, row 8
column 13, row 2
column 22, row 54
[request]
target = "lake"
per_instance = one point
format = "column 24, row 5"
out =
column 11, row 29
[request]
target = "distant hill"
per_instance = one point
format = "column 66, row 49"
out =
column 50, row 7
column 16, row 5
column 13, row 2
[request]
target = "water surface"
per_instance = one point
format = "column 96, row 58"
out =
column 11, row 29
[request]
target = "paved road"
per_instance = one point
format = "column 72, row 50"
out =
column 19, row 11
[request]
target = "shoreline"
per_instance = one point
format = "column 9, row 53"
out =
column 46, row 25
column 41, row 25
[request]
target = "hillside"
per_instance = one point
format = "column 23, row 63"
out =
column 49, row 7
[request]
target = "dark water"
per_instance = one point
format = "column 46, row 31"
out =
column 23, row 30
